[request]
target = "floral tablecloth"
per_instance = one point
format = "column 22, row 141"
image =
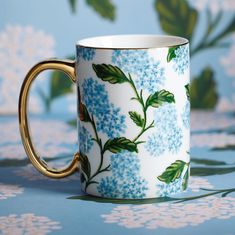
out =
column 33, row 204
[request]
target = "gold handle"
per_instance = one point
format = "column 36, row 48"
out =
column 68, row 67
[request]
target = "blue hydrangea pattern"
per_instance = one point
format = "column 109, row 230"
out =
column 85, row 140
column 149, row 74
column 125, row 181
column 124, row 165
column 108, row 187
column 86, row 53
column 186, row 115
column 168, row 136
column 108, row 117
column 181, row 61
column 164, row 190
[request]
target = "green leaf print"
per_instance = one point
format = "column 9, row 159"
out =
column 116, row 145
column 172, row 172
column 85, row 165
column 83, row 113
column 159, row 98
column 171, row 53
column 136, row 118
column 109, row 73
column 185, row 179
column 187, row 88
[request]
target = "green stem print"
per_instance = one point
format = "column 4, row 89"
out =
column 223, row 192
column 113, row 75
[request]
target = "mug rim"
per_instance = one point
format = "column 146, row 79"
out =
column 157, row 41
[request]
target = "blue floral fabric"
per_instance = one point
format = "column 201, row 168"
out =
column 168, row 135
column 85, row 140
column 126, row 181
column 149, row 74
column 108, row 118
column 86, row 53
column 186, row 115
column 181, row 60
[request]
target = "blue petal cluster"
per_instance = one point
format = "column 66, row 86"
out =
column 165, row 190
column 181, row 61
column 168, row 136
column 108, row 118
column 86, row 53
column 125, row 181
column 150, row 75
column 186, row 115
column 108, row 187
column 85, row 140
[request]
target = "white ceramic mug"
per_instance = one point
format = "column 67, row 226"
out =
column 133, row 115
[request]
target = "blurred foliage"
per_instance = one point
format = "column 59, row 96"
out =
column 105, row 8
column 203, row 93
column 60, row 85
column 176, row 17
column 73, row 4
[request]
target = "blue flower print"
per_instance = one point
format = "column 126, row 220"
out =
column 125, row 181
column 150, row 75
column 108, row 187
column 133, row 188
column 156, row 144
column 174, row 139
column 108, row 118
column 85, row 140
column 124, row 165
column 186, row 115
column 181, row 61
column 164, row 190
column 168, row 136
column 86, row 53
column 165, row 115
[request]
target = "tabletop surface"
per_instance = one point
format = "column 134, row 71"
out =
column 30, row 203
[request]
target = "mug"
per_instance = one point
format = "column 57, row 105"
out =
column 133, row 115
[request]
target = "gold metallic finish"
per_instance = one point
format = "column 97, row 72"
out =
column 68, row 67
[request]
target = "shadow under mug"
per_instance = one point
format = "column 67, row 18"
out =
column 133, row 115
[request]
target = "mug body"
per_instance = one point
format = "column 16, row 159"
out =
column 134, row 115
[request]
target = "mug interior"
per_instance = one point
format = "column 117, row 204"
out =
column 132, row 41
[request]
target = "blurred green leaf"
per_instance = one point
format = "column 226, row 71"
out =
column 73, row 122
column 224, row 148
column 104, row 8
column 203, row 93
column 206, row 171
column 176, row 17
column 60, row 84
column 210, row 162
column 228, row 30
column 73, row 4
